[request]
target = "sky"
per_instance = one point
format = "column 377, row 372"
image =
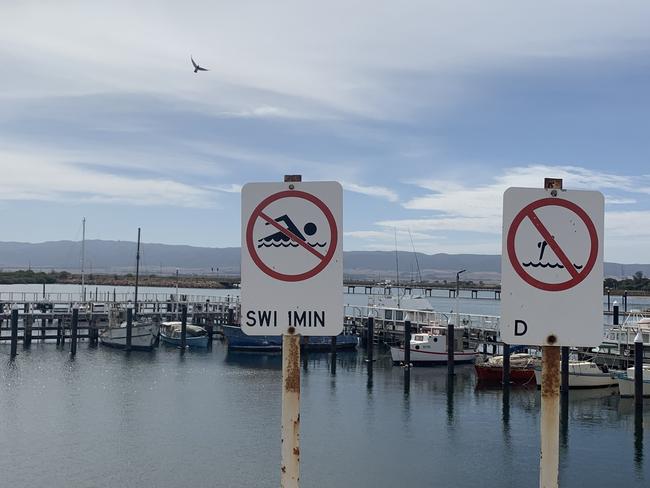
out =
column 425, row 112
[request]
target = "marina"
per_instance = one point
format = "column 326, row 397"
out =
column 359, row 395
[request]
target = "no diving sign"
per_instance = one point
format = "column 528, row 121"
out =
column 552, row 267
column 292, row 268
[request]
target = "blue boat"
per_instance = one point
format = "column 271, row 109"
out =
column 195, row 336
column 238, row 341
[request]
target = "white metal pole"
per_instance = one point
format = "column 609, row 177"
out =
column 550, row 419
column 290, row 462
column 290, row 471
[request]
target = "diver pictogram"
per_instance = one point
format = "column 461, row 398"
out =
column 553, row 254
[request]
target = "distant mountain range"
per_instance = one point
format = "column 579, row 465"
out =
column 119, row 257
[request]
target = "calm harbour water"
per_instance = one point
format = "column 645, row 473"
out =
column 108, row 419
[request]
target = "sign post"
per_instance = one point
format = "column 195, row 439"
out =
column 552, row 278
column 291, row 278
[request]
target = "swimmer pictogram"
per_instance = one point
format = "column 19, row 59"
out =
column 291, row 235
column 282, row 239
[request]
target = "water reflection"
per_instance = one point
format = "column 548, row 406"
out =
column 564, row 421
column 254, row 360
column 638, row 438
column 450, row 400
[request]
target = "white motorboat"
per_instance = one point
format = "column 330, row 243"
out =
column 585, row 374
column 626, row 383
column 429, row 347
column 619, row 340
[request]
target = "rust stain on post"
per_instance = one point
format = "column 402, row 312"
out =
column 550, row 371
column 292, row 381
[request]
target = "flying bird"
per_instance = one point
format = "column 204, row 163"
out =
column 197, row 68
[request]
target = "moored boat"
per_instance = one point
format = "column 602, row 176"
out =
column 143, row 336
column 195, row 336
column 238, row 341
column 522, row 369
column 626, row 382
column 585, row 374
column 428, row 347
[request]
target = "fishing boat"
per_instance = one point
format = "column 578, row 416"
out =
column 144, row 335
column 237, row 340
column 626, row 382
column 522, row 369
column 619, row 339
column 428, row 347
column 585, row 374
column 144, row 332
column 195, row 336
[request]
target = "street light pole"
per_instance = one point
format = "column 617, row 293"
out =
column 457, row 296
column 450, row 329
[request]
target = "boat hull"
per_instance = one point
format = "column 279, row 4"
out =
column 201, row 342
column 143, row 337
column 626, row 387
column 518, row 376
column 431, row 358
column 584, row 380
column 238, row 341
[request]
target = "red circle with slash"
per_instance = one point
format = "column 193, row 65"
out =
column 576, row 276
column 324, row 259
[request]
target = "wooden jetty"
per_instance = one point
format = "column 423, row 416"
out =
column 52, row 318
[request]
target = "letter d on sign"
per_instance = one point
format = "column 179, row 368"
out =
column 520, row 327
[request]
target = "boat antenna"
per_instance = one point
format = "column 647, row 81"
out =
column 137, row 275
column 83, row 259
column 416, row 258
column 397, row 267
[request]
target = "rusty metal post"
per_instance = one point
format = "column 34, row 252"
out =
column 550, row 418
column 290, row 470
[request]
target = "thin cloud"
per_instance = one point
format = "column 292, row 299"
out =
column 373, row 191
column 61, row 181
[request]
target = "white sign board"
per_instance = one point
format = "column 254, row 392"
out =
column 552, row 267
column 291, row 258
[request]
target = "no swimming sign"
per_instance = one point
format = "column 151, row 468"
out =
column 292, row 269
column 552, row 267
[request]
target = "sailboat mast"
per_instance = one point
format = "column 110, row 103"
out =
column 137, row 273
column 83, row 259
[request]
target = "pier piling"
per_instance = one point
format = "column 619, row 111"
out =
column 129, row 326
column 58, row 331
column 183, row 328
column 14, row 331
column 615, row 317
column 371, row 339
column 638, row 370
column 73, row 335
column 333, row 355
column 565, row 370
column 505, row 377
column 27, row 333
column 450, row 348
